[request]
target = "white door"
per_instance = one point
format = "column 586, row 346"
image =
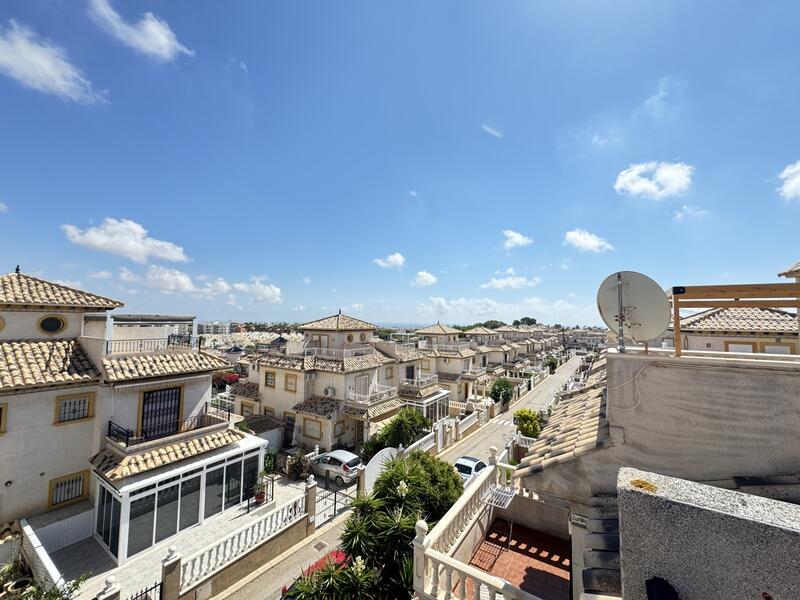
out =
column 362, row 385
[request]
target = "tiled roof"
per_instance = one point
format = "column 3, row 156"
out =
column 349, row 364
column 32, row 363
column 338, row 322
column 246, row 389
column 262, row 423
column 449, row 376
column 409, row 355
column 745, row 320
column 437, row 329
column 143, row 366
column 20, row 289
column 506, row 329
column 577, row 426
column 436, row 352
column 480, row 331
column 318, row 406
column 375, row 411
column 282, row 361
column 113, row 465
column 793, row 271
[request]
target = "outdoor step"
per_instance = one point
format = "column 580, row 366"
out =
column 602, row 525
column 602, row 580
column 601, row 559
column 601, row 541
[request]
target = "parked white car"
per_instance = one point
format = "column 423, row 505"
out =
column 340, row 465
column 468, row 466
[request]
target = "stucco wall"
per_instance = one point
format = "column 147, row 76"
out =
column 123, row 406
column 24, row 325
column 278, row 398
column 33, row 450
column 706, row 542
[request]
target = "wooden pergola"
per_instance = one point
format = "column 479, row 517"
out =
column 756, row 295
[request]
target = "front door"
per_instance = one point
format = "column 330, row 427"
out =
column 410, row 372
column 161, row 412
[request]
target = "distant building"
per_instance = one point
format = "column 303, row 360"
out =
column 145, row 325
column 216, row 328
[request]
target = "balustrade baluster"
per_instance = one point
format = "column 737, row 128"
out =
column 448, row 582
column 476, row 588
column 435, row 578
column 462, row 586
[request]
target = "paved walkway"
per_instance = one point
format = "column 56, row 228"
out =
column 500, row 429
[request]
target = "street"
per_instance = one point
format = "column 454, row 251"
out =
column 500, row 429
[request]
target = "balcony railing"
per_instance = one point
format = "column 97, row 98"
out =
column 420, row 382
column 339, row 353
column 474, row 371
column 211, row 415
column 379, row 393
column 144, row 346
column 452, row 347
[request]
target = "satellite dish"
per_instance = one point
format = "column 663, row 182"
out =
column 633, row 306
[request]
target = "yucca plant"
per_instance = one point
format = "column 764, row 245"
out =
column 359, row 536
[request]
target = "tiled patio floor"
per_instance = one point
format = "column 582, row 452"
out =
column 87, row 556
column 535, row 562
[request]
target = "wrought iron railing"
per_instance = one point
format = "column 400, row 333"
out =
column 143, row 346
column 131, row 437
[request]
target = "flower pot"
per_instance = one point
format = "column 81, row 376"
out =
column 16, row 587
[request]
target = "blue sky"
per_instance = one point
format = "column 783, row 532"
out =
column 404, row 161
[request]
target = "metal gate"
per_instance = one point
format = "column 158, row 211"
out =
column 151, row 593
column 333, row 502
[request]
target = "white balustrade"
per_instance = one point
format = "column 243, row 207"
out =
column 205, row 563
column 467, row 422
column 424, row 443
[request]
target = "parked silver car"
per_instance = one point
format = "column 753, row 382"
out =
column 339, row 465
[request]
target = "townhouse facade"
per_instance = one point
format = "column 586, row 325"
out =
column 114, row 436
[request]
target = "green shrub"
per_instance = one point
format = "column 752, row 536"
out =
column 502, row 390
column 527, row 422
column 405, row 428
column 298, row 466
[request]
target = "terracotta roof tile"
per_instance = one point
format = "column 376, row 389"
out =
column 577, row 426
column 793, row 271
column 113, row 465
column 437, row 329
column 32, row 363
column 337, row 322
column 262, row 423
column 143, row 366
column 318, row 406
column 744, row 320
column 374, row 411
column 480, row 331
column 21, row 289
column 246, row 389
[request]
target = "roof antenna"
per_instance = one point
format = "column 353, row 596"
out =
column 17, row 269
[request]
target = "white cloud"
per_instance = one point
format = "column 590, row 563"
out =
column 689, row 212
column 510, row 280
column 515, row 239
column 393, row 261
column 151, row 35
column 39, row 64
column 658, row 105
column 128, row 276
column 424, row 279
column 260, row 291
column 218, row 286
column 99, row 275
column 413, row 193
column 469, row 310
column 492, row 130
column 790, row 188
column 306, row 280
column 231, row 300
column 3, row 207
column 585, row 241
column 357, row 306
column 655, row 180
column 299, row 307
column 69, row 283
column 127, row 238
column 169, row 281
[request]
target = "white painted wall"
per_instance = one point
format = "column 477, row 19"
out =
column 24, row 325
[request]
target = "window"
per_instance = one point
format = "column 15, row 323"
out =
column 740, row 347
column 247, row 409
column 52, row 324
column 349, row 337
column 389, row 372
column 312, row 428
column 161, row 412
column 778, row 348
column 68, row 489
column 290, row 383
column 426, row 365
column 269, row 411
column 108, row 511
column 338, row 429
column 363, row 337
column 269, row 379
column 190, row 502
column 74, row 408
column 3, row 414
column 213, row 492
column 2, row 323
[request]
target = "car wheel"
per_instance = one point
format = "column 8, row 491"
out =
column 339, row 480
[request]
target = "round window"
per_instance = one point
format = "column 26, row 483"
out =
column 52, row 324
column 349, row 337
column 2, row 323
column 363, row 337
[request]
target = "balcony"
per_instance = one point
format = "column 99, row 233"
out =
column 452, row 347
column 178, row 343
column 212, row 417
column 419, row 387
column 380, row 393
column 338, row 353
column 473, row 372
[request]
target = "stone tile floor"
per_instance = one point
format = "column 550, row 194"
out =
column 88, row 556
column 535, row 562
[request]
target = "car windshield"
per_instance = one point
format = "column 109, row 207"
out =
column 354, row 462
column 466, row 470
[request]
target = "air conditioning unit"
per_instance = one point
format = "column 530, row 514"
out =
column 329, row 391
column 310, row 376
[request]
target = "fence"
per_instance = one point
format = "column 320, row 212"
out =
column 206, row 563
column 44, row 572
column 151, row 593
column 424, row 443
column 331, row 503
column 467, row 422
